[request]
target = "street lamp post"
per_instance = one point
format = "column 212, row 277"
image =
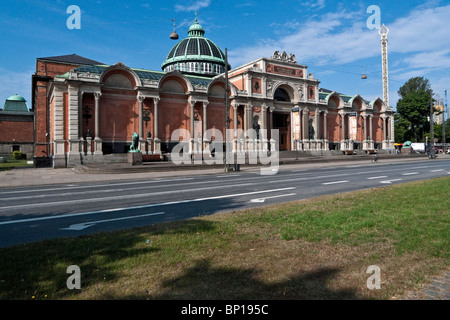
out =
column 432, row 151
column 227, row 116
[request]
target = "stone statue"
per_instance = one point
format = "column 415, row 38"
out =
column 134, row 143
column 256, row 126
column 311, row 131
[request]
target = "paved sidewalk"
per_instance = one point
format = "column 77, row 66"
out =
column 43, row 176
column 438, row 288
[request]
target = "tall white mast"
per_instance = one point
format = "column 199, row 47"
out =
column 384, row 32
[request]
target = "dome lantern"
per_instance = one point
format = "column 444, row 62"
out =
column 196, row 55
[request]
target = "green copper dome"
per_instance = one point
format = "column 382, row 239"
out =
column 16, row 97
column 16, row 103
column 196, row 55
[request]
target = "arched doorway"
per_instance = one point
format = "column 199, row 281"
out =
column 281, row 119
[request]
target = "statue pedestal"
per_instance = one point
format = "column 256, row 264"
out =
column 407, row 151
column 135, row 158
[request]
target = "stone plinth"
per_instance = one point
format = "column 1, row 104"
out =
column 135, row 158
column 407, row 150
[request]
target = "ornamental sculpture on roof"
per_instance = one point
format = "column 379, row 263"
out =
column 284, row 57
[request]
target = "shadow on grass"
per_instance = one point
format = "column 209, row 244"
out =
column 205, row 282
column 40, row 269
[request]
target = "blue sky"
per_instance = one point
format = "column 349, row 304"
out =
column 330, row 37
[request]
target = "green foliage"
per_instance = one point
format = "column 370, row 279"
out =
column 17, row 155
column 415, row 84
column 413, row 109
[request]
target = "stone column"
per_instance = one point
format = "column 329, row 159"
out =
column 316, row 124
column 80, row 119
column 247, row 126
column 392, row 126
column 317, row 129
column 384, row 128
column 205, row 126
column 249, row 117
column 371, row 145
column 141, row 124
column 74, row 156
column 272, row 140
column 365, row 144
column 97, row 140
column 343, row 143
column 191, row 125
column 157, row 141
column 263, row 132
column 305, row 127
column 325, row 131
column 59, row 158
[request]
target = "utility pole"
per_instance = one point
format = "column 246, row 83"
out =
column 227, row 117
column 433, row 154
column 444, row 139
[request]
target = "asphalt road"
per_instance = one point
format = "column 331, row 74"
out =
column 30, row 214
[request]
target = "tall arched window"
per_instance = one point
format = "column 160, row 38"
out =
column 281, row 95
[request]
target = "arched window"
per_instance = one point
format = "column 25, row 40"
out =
column 281, row 95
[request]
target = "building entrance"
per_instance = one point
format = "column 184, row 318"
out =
column 281, row 121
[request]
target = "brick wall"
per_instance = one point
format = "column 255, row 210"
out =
column 45, row 69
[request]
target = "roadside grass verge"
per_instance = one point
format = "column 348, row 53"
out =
column 11, row 164
column 313, row 249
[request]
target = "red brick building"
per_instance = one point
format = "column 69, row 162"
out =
column 86, row 111
column 46, row 70
column 16, row 128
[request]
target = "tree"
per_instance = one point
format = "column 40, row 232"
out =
column 415, row 84
column 402, row 129
column 414, row 106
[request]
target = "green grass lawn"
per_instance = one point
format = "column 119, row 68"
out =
column 313, row 249
column 11, row 164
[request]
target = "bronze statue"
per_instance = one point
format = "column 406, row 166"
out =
column 134, row 143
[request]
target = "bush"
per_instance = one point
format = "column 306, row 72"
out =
column 17, row 155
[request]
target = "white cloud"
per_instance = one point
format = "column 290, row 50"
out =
column 193, row 7
column 335, row 38
column 15, row 83
column 318, row 4
column 339, row 38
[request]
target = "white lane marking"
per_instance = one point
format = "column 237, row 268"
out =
column 437, row 170
column 227, row 175
column 84, row 225
column 390, row 181
column 260, row 200
column 374, row 178
column 130, row 196
column 335, row 182
column 95, row 185
column 409, row 173
column 141, row 207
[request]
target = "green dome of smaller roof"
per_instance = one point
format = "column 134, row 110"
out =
column 16, row 103
column 16, row 97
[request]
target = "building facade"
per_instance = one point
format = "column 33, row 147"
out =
column 93, row 109
column 16, row 128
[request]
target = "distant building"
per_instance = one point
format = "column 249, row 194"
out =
column 16, row 127
column 439, row 113
column 87, row 111
column 46, row 70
